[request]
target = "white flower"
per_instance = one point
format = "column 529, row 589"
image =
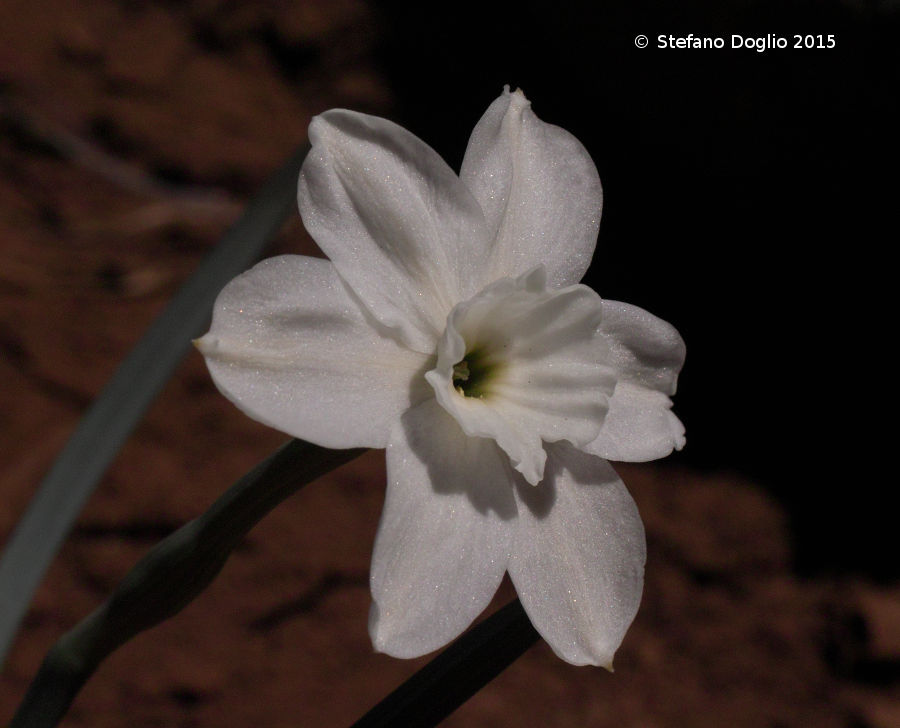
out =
column 449, row 327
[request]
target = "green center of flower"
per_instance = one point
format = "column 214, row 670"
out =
column 473, row 375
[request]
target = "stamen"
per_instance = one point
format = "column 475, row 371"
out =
column 460, row 373
column 472, row 375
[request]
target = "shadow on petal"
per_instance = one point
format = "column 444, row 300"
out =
column 419, row 388
column 580, row 468
column 539, row 499
column 457, row 463
column 583, row 468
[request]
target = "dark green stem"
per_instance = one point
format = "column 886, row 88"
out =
column 455, row 675
column 170, row 576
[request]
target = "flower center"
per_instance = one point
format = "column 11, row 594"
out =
column 473, row 374
column 523, row 364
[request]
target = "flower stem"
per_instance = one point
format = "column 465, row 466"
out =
column 170, row 576
column 455, row 675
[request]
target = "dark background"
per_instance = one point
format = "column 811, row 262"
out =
column 749, row 198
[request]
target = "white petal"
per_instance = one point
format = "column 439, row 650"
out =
column 578, row 557
column 443, row 542
column 639, row 426
column 539, row 190
column 644, row 349
column 292, row 349
column 550, row 382
column 400, row 226
column 647, row 354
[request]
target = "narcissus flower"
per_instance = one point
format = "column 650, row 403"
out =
column 449, row 327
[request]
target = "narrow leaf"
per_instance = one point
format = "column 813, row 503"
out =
column 107, row 424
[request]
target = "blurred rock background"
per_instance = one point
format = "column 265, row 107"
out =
column 748, row 199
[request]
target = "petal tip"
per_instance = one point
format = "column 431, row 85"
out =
column 322, row 127
column 532, row 471
column 314, row 130
column 678, row 431
column 599, row 656
column 375, row 632
column 518, row 108
column 206, row 344
column 588, row 654
column 518, row 98
column 387, row 641
column 383, row 633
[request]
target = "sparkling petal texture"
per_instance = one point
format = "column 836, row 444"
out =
column 539, row 190
column 449, row 327
column 578, row 557
column 443, row 542
column 550, row 383
column 639, row 426
column 648, row 354
column 399, row 225
column 291, row 348
column 645, row 349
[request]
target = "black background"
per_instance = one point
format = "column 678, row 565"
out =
column 749, row 200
